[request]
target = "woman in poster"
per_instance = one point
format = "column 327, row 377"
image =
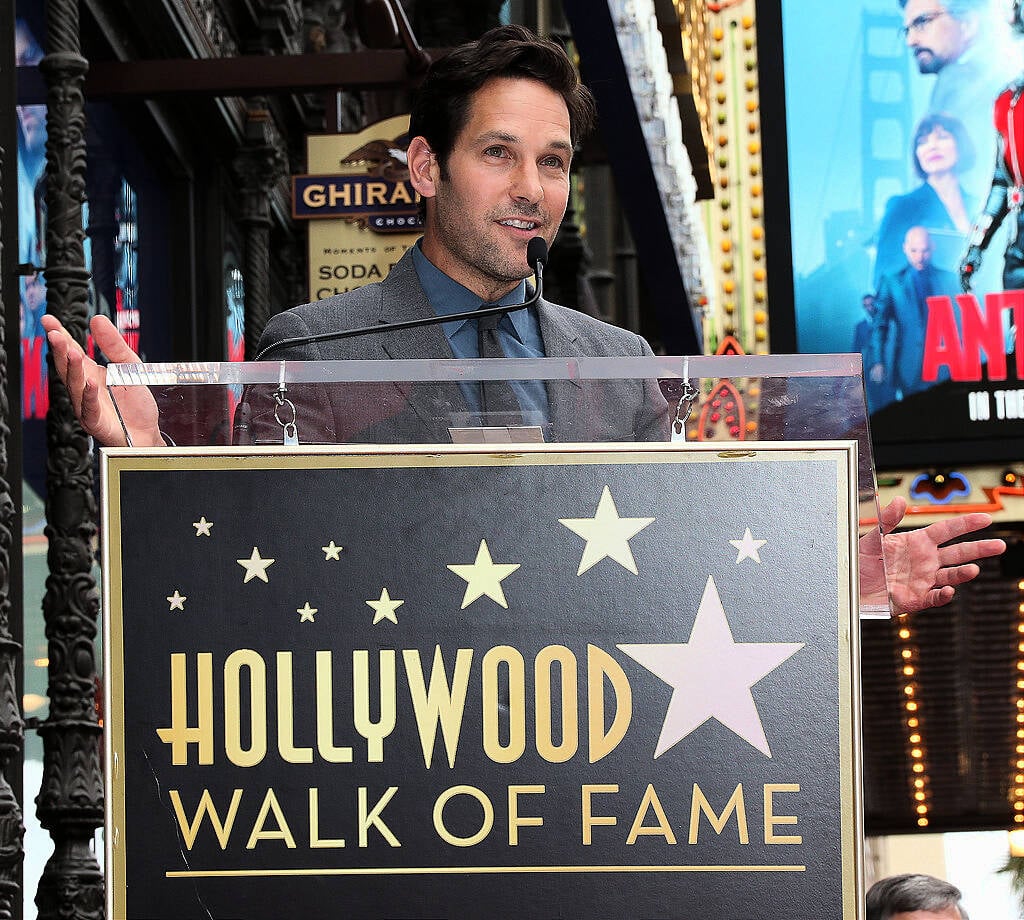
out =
column 941, row 152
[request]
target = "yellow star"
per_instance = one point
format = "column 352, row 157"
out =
column 255, row 566
column 484, row 577
column 607, row 534
column 202, row 527
column 177, row 601
column 331, row 551
column 306, row 613
column 384, row 609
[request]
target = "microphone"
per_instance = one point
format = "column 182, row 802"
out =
column 536, row 257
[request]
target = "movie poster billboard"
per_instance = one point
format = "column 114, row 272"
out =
column 905, row 202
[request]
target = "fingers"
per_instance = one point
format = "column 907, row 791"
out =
column 890, row 516
column 959, row 553
column 951, row 528
column 956, row 575
column 106, row 336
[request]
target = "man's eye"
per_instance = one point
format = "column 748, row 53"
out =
column 495, row 152
column 553, row 162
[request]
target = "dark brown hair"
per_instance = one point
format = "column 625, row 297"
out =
column 441, row 107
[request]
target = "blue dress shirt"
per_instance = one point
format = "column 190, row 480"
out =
column 518, row 333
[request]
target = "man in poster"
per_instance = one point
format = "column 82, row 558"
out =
column 901, row 318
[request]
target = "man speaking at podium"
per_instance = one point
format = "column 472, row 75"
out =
column 493, row 129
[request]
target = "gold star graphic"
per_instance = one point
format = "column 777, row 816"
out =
column 607, row 534
column 747, row 547
column 255, row 566
column 384, row 609
column 306, row 613
column 484, row 577
column 332, row 551
column 202, row 527
column 177, row 601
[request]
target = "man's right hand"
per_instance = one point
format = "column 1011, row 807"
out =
column 86, row 382
column 969, row 266
column 876, row 373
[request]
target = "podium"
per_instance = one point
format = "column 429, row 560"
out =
column 512, row 671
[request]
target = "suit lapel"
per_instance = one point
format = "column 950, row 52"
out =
column 565, row 397
column 402, row 298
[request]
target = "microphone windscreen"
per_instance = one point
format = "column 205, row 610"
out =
column 536, row 251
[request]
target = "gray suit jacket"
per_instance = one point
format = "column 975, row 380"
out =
column 613, row 410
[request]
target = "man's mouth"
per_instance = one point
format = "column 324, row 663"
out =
column 519, row 224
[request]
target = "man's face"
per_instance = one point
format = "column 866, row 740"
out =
column 917, row 247
column 947, row 913
column 934, row 36
column 507, row 181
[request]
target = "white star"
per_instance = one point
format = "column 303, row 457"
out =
column 331, row 551
column 711, row 676
column 255, row 566
column 484, row 577
column 607, row 534
column 306, row 613
column 748, row 547
column 202, row 527
column 384, row 609
column 177, row 601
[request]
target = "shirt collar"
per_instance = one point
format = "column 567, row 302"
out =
column 447, row 296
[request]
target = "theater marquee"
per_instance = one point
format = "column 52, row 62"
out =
column 587, row 682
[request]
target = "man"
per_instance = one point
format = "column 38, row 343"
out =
column 1006, row 193
column 901, row 321
column 914, row 897
column 970, row 51
column 493, row 129
column 879, row 394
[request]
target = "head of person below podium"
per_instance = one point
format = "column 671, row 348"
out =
column 493, row 129
column 914, row 897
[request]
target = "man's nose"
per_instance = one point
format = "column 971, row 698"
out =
column 526, row 184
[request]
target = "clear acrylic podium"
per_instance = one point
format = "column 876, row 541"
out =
column 372, row 651
column 732, row 400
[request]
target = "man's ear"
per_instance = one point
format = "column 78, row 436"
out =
column 423, row 167
column 970, row 26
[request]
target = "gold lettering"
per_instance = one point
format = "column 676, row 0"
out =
column 376, row 193
column 372, row 818
column 325, row 712
column 442, row 704
column 338, row 193
column 189, row 829
column 599, row 666
column 313, row 196
column 663, row 829
column 400, row 194
column 374, row 732
column 261, row 832
column 286, row 715
column 771, row 819
column 257, row 750
column 590, row 820
column 492, row 661
column 485, row 826
column 180, row 734
column 701, row 804
column 315, row 841
column 570, row 727
column 515, row 821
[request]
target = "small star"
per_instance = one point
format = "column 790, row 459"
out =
column 331, row 551
column 484, row 577
column 384, row 609
column 177, row 601
column 202, row 527
column 607, row 534
column 306, row 613
column 748, row 547
column 255, row 566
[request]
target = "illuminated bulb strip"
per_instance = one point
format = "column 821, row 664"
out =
column 1017, row 789
column 917, row 752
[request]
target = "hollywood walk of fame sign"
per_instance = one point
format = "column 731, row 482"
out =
column 589, row 682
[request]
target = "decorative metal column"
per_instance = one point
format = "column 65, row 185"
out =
column 12, row 728
column 260, row 165
column 70, row 802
